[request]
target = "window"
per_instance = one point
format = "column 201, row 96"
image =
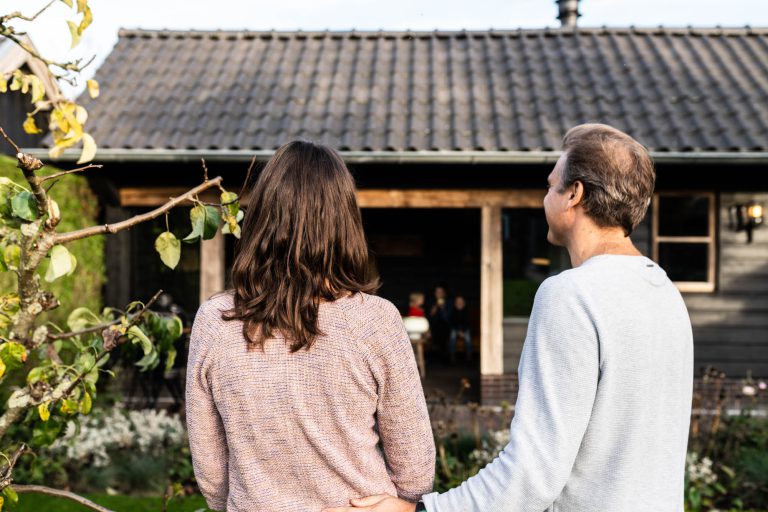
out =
column 684, row 238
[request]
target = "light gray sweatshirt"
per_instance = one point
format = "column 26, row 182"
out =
column 602, row 415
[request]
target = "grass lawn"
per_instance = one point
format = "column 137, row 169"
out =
column 39, row 503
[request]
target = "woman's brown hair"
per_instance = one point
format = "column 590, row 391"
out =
column 302, row 242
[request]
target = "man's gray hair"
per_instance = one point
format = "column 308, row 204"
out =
column 616, row 171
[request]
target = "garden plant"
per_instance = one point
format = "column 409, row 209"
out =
column 50, row 371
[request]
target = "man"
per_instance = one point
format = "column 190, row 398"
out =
column 602, row 415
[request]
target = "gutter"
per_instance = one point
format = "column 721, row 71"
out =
column 119, row 155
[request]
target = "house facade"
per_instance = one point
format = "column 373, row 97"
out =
column 450, row 136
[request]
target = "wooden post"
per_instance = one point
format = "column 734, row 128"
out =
column 491, row 294
column 212, row 266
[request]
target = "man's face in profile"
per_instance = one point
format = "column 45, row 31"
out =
column 556, row 204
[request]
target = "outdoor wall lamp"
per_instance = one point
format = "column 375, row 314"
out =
column 746, row 217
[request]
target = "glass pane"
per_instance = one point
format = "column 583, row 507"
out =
column 684, row 262
column 528, row 258
column 683, row 215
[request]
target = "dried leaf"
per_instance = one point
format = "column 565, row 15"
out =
column 30, row 126
column 74, row 30
column 89, row 149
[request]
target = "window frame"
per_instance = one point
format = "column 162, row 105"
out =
column 710, row 239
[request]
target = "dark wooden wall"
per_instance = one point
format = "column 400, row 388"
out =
column 13, row 112
column 730, row 326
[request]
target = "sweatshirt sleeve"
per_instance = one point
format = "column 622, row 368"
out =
column 207, row 440
column 401, row 413
column 558, row 375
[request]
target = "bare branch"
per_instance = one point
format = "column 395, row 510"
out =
column 16, row 148
column 43, row 179
column 20, row 16
column 72, row 334
column 6, row 478
column 63, row 238
column 49, row 491
column 205, row 170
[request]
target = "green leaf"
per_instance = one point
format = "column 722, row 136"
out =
column 86, row 361
column 197, row 219
column 9, row 493
column 12, row 256
column 43, row 411
column 174, row 327
column 44, row 434
column 170, row 359
column 148, row 362
column 74, row 30
column 169, row 248
column 36, row 374
column 62, row 263
column 136, row 335
column 82, row 318
column 212, row 221
column 24, row 205
column 13, row 354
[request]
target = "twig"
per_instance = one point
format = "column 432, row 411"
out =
column 43, row 179
column 106, row 351
column 205, row 170
column 16, row 148
column 20, row 16
column 62, row 238
column 72, row 334
column 5, row 479
column 41, row 489
column 247, row 176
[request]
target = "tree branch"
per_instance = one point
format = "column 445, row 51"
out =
column 72, row 334
column 16, row 148
column 28, row 165
column 63, row 238
column 6, row 479
column 43, row 179
column 41, row 489
column 20, row 16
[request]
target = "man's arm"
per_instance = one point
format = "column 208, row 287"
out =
column 559, row 371
column 207, row 440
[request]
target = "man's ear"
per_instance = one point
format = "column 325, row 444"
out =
column 575, row 193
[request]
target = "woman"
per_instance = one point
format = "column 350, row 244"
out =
column 302, row 388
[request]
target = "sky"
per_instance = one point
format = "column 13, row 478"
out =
column 51, row 35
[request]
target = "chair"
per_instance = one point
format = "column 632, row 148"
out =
column 417, row 327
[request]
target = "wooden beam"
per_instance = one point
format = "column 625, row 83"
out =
column 373, row 198
column 212, row 268
column 491, row 293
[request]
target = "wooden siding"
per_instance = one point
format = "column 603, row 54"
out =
column 730, row 326
column 13, row 111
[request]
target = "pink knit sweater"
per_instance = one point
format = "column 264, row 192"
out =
column 275, row 431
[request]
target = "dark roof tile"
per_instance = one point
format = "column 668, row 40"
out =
column 673, row 89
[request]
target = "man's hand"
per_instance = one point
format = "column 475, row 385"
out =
column 378, row 503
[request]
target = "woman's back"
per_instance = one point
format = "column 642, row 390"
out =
column 276, row 430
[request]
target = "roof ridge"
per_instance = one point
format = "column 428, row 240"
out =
column 248, row 34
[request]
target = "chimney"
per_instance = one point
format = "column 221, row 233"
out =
column 569, row 12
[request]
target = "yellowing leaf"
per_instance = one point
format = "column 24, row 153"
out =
column 74, row 30
column 56, row 151
column 43, row 411
column 3, row 83
column 87, row 18
column 2, row 368
column 69, row 406
column 17, row 82
column 68, row 2
column 169, row 248
column 38, row 90
column 85, row 404
column 82, row 5
column 93, row 88
column 89, row 149
column 81, row 114
column 62, row 263
column 30, row 126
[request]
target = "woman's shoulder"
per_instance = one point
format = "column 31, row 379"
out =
column 366, row 308
column 211, row 309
